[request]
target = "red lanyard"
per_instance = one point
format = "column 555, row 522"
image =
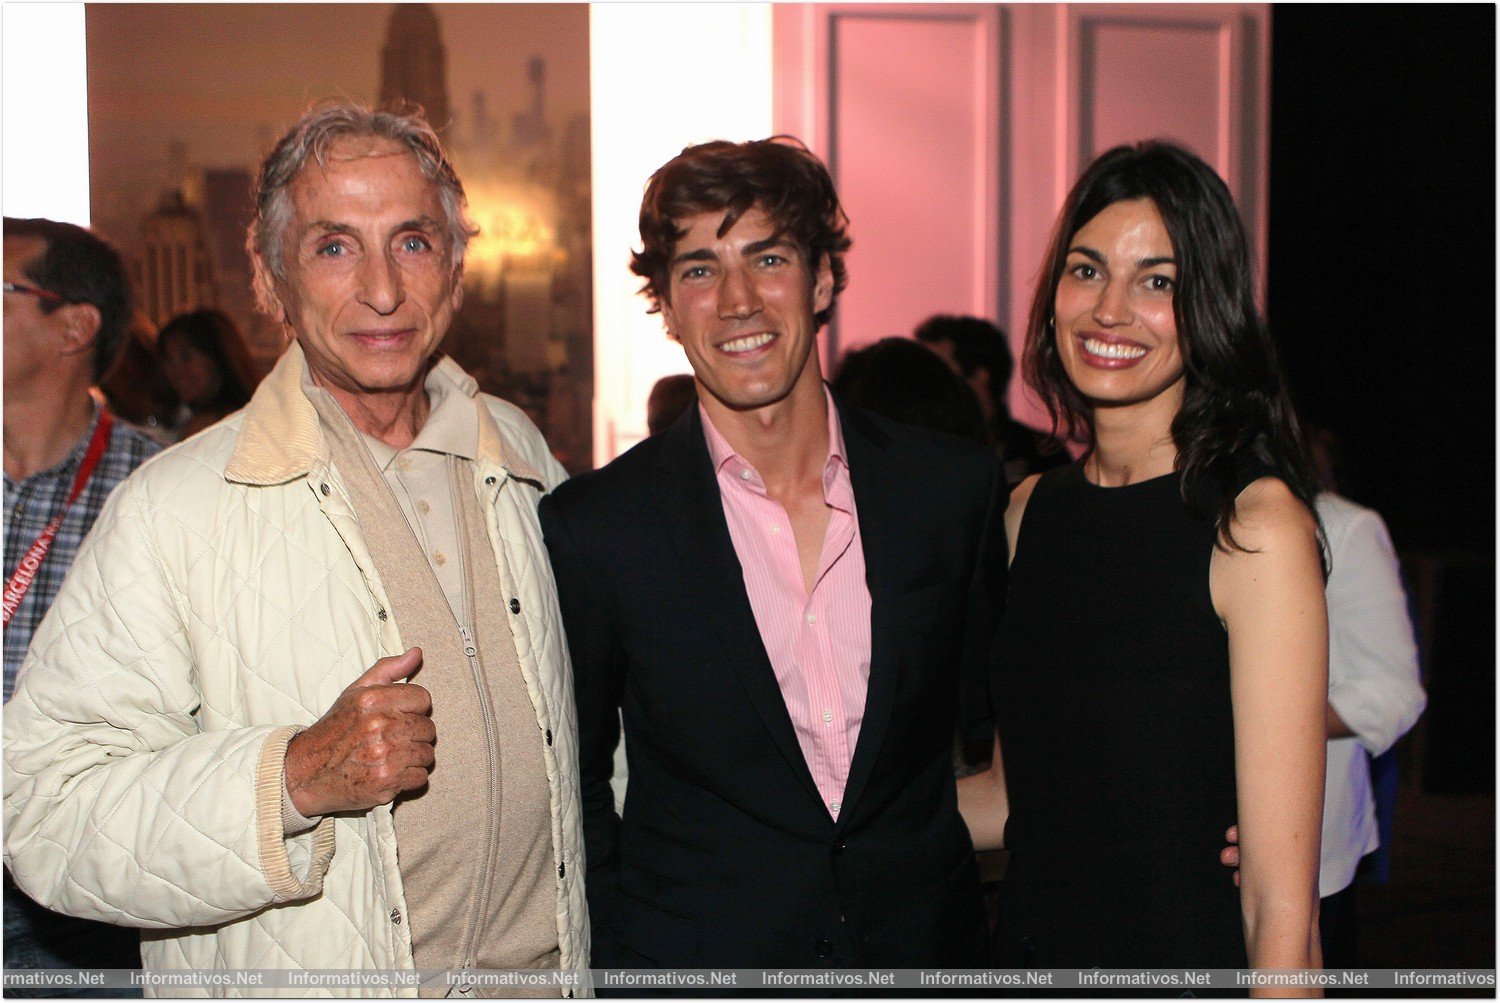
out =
column 20, row 581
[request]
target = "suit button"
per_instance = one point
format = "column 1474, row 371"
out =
column 839, row 848
column 515, row 605
column 823, row 948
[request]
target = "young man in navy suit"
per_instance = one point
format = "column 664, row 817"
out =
column 786, row 598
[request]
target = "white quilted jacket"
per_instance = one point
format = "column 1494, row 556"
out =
column 225, row 597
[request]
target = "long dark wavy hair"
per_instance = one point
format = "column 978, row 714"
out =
column 214, row 334
column 1235, row 403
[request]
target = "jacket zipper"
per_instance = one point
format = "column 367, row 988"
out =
column 476, row 669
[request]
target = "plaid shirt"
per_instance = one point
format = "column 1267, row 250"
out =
column 31, row 503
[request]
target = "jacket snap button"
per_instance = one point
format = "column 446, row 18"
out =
column 490, row 481
column 549, row 736
column 325, row 489
column 515, row 605
column 396, row 916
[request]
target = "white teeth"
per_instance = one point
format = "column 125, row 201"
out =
column 1113, row 351
column 749, row 343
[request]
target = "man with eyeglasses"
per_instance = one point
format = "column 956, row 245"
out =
column 67, row 304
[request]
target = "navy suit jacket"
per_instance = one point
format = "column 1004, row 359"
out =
column 726, row 855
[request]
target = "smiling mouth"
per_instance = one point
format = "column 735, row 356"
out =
column 1113, row 349
column 378, row 338
column 749, row 343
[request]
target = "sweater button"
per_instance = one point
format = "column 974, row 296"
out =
column 396, row 916
column 515, row 605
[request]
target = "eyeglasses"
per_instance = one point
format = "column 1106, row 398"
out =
column 41, row 294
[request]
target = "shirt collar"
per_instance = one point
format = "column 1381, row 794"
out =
column 722, row 454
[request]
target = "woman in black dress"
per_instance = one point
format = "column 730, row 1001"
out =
column 1164, row 651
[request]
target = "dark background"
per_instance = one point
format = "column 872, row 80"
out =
column 1382, row 298
column 1382, row 253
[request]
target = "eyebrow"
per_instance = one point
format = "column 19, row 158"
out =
column 751, row 249
column 1089, row 252
column 325, row 226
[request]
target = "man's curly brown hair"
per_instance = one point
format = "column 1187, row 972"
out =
column 779, row 175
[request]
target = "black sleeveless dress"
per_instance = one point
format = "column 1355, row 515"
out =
column 1112, row 697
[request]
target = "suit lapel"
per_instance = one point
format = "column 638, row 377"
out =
column 884, row 529
column 689, row 488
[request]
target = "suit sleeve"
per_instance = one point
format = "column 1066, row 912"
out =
column 598, row 678
column 119, row 806
column 985, row 605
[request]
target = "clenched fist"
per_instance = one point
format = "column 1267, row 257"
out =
column 375, row 742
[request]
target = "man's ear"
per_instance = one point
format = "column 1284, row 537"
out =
column 823, row 285
column 458, row 286
column 263, row 283
column 80, row 326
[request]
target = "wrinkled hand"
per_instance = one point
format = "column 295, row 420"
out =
column 1230, row 855
column 375, row 742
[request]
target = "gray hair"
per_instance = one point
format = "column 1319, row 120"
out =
column 310, row 138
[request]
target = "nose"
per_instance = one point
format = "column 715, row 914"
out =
column 738, row 296
column 1113, row 306
column 380, row 286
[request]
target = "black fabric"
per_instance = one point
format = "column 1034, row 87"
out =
column 726, row 855
column 1113, row 701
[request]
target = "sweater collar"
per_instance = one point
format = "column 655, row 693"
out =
column 281, row 438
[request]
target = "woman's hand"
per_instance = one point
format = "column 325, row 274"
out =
column 983, row 803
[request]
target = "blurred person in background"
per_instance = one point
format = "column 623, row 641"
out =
column 208, row 366
column 979, row 352
column 905, row 382
column 670, row 398
column 67, row 305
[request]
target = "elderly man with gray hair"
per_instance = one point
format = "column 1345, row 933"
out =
column 305, row 702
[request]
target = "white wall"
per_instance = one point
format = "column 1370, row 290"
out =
column 44, row 149
column 663, row 76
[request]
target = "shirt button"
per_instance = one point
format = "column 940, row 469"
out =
column 423, row 507
column 835, row 805
column 775, row 529
column 439, row 558
column 827, row 716
column 403, row 464
column 812, row 618
column 745, row 474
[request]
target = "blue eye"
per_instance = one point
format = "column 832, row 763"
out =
column 415, row 244
column 333, row 250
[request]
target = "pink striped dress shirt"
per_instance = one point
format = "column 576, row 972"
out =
column 819, row 644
